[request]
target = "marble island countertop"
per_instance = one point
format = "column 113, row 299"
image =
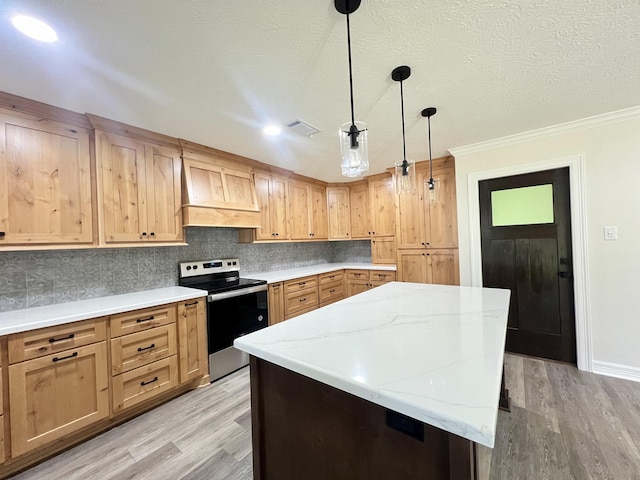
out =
column 51, row 315
column 432, row 352
column 289, row 274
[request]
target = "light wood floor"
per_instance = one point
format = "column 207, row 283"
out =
column 564, row 424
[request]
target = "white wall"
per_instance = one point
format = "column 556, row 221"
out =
column 610, row 146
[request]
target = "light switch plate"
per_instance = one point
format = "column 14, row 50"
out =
column 610, row 233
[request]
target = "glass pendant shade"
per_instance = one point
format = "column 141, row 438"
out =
column 405, row 176
column 433, row 189
column 354, row 149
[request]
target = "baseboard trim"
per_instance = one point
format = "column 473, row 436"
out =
column 614, row 370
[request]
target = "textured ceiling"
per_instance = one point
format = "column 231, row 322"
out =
column 215, row 72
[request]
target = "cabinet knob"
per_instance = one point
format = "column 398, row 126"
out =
column 144, row 234
column 153, row 234
column 2, row 234
column 277, row 234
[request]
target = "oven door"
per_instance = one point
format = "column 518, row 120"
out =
column 229, row 316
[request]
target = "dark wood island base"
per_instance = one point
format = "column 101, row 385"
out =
column 304, row 429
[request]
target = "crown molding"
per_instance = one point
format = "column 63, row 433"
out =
column 573, row 126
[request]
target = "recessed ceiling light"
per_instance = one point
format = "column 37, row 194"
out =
column 34, row 28
column 272, row 130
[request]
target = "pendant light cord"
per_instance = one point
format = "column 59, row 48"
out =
column 404, row 146
column 430, row 162
column 353, row 121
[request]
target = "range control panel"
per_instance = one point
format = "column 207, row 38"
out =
column 193, row 269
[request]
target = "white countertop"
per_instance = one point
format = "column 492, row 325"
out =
column 290, row 274
column 432, row 352
column 32, row 318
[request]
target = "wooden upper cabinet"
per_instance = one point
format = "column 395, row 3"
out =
column 140, row 191
column 272, row 195
column 45, row 181
column 425, row 224
column 360, row 210
column 319, row 220
column 307, row 211
column 299, row 210
column 383, row 215
column 339, row 213
column 443, row 223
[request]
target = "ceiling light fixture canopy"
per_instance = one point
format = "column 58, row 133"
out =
column 353, row 135
column 433, row 186
column 406, row 169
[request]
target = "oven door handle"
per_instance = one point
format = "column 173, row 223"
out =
column 236, row 293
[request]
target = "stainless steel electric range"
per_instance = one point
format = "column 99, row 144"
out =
column 235, row 306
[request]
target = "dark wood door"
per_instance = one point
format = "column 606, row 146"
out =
column 527, row 249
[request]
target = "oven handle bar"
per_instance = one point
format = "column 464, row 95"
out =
column 236, row 293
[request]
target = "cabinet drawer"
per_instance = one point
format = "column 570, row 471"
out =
column 331, row 291
column 138, row 320
column 301, row 301
column 44, row 341
column 138, row 349
column 382, row 276
column 357, row 274
column 300, row 284
column 331, row 277
column 299, row 312
column 144, row 383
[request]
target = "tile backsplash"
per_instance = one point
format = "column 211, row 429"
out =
column 36, row 278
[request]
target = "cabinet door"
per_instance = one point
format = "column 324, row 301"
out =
column 54, row 396
column 279, row 200
column 360, row 211
column 443, row 215
column 45, row 182
column 410, row 228
column 412, row 266
column 443, row 266
column 192, row 339
column 164, row 194
column 383, row 214
column 276, row 303
column 299, row 210
column 383, row 250
column 263, row 194
column 121, row 166
column 319, row 220
column 357, row 286
column 339, row 213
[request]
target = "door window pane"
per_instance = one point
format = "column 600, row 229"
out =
column 522, row 206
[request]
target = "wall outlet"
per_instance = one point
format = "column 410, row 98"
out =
column 610, row 233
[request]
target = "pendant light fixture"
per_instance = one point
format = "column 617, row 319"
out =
column 353, row 135
column 433, row 186
column 406, row 169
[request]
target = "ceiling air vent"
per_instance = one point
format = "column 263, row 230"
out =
column 302, row 128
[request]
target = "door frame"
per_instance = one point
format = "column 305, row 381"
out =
column 584, row 346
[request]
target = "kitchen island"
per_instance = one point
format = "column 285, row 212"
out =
column 397, row 382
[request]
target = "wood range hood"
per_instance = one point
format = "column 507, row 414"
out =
column 218, row 190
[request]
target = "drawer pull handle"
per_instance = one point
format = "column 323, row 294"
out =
column 53, row 340
column 145, row 319
column 331, row 291
column 303, row 299
column 191, row 304
column 302, row 283
column 74, row 354
column 142, row 349
column 155, row 379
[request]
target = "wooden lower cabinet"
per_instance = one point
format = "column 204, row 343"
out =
column 439, row 266
column 192, row 339
column 276, row 303
column 144, row 383
column 58, row 394
column 71, row 381
column 359, row 281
